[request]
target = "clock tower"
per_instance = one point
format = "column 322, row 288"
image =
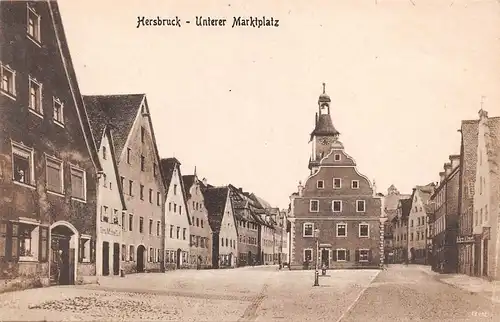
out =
column 324, row 134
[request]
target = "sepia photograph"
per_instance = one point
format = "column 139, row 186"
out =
column 209, row 160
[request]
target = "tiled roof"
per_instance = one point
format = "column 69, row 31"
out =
column 215, row 201
column 188, row 181
column 167, row 168
column 324, row 126
column 425, row 193
column 405, row 207
column 119, row 111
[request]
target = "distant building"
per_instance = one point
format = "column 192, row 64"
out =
column 49, row 164
column 200, row 231
column 400, row 231
column 336, row 202
column 445, row 203
column 223, row 224
column 177, row 221
column 468, row 244
column 487, row 197
column 418, row 224
column 391, row 202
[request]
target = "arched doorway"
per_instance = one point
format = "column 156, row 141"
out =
column 179, row 259
column 140, row 258
column 64, row 243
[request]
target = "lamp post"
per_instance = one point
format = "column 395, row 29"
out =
column 316, row 272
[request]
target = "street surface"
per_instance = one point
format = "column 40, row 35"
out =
column 399, row 293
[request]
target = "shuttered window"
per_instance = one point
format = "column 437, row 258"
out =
column 78, row 183
column 54, row 175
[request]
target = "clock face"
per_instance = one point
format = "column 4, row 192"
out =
column 324, row 141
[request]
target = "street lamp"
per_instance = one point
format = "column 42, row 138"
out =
column 316, row 272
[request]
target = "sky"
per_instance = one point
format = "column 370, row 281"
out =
column 239, row 103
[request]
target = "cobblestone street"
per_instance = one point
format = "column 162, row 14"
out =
column 253, row 294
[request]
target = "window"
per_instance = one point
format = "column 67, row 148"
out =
column 363, row 255
column 141, row 224
column 411, row 236
column 364, row 230
column 184, row 230
column 54, row 174
column 337, row 183
column 150, row 195
column 58, row 111
column 123, row 222
column 307, row 255
column 360, row 206
column 35, row 102
column 314, row 206
column 131, row 253
column 175, row 189
column 22, row 164
column 336, row 205
column 124, row 252
column 197, row 222
column 130, row 187
column 486, row 213
column 150, row 226
column 8, row 84
column 171, row 231
column 158, row 228
column 104, row 181
column 154, row 169
column 151, row 254
column 143, row 134
column 192, row 220
column 157, row 198
column 104, row 152
column 341, row 230
column 130, row 222
column 307, row 230
column 128, row 155
column 175, row 207
column 78, row 184
column 180, row 210
column 178, row 232
column 336, row 157
column 411, row 223
column 143, row 161
column 341, row 255
column 201, row 222
column 320, row 184
column 141, row 192
column 122, row 182
column 33, row 27
column 355, row 184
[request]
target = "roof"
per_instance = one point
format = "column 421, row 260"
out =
column 73, row 82
column 167, row 166
column 215, row 202
column 405, row 207
column 324, row 126
column 188, row 181
column 119, row 111
column 425, row 193
column 115, row 165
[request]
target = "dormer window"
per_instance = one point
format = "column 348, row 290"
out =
column 336, row 157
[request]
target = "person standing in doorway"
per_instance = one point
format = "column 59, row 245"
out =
column 59, row 264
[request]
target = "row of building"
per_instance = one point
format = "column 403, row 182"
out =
column 84, row 191
column 453, row 224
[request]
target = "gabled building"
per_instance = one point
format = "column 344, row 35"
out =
column 400, row 231
column 140, row 177
column 177, row 221
column 111, row 253
column 487, row 197
column 418, row 223
column 48, row 160
column 337, row 206
column 223, row 225
column 445, row 200
column 467, row 243
column 248, row 228
column 391, row 202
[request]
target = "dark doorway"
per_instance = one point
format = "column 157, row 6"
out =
column 412, row 255
column 325, row 254
column 485, row 258
column 105, row 258
column 62, row 268
column 116, row 258
column 179, row 259
column 477, row 258
column 140, row 258
column 250, row 260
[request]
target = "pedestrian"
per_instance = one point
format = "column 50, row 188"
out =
column 198, row 265
column 59, row 264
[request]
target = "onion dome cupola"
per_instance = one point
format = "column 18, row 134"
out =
column 324, row 125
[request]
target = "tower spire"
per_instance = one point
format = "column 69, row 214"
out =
column 324, row 90
column 195, row 171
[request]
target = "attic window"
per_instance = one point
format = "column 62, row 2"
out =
column 336, row 157
column 143, row 134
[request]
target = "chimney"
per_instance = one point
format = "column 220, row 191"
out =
column 204, row 180
column 300, row 188
column 447, row 168
column 455, row 161
column 441, row 177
